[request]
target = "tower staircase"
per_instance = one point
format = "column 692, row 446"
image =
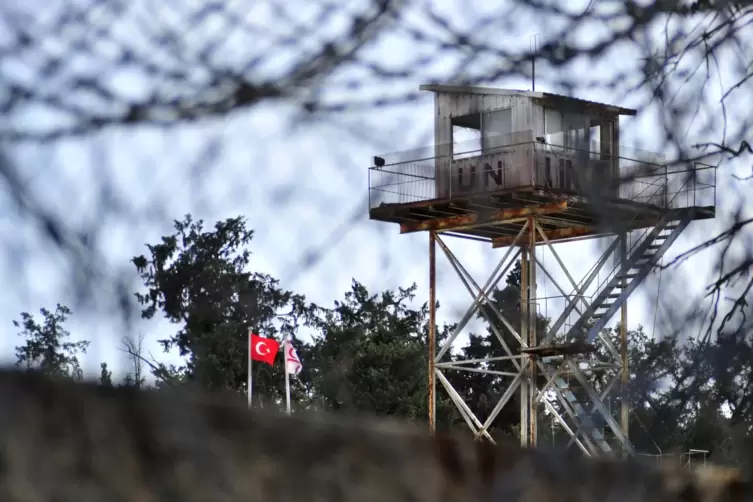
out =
column 639, row 263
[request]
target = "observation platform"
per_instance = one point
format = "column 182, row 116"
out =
column 489, row 196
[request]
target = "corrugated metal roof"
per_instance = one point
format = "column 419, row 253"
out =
column 465, row 89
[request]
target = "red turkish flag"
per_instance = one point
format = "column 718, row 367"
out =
column 264, row 349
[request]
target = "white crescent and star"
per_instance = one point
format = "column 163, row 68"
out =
column 262, row 348
column 292, row 358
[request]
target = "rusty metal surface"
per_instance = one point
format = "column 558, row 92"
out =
column 474, row 217
column 559, row 349
column 432, row 327
column 551, row 235
column 470, row 220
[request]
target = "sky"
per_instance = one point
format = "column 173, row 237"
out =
column 299, row 186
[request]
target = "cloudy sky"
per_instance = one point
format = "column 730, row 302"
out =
column 303, row 189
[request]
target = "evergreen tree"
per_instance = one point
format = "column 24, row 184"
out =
column 46, row 346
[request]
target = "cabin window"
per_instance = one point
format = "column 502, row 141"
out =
column 466, row 136
column 554, row 127
column 478, row 133
column 594, row 141
column 601, row 139
column 497, row 129
column 578, row 131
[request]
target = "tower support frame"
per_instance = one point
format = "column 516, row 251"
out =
column 544, row 361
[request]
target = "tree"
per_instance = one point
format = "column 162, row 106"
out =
column 198, row 279
column 134, row 352
column 46, row 347
column 514, row 278
column 370, row 355
column 704, row 398
column 105, row 375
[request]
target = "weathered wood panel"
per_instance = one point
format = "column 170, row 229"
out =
column 533, row 165
column 450, row 105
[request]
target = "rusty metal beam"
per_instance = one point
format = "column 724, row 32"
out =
column 466, row 221
column 552, row 235
column 432, row 330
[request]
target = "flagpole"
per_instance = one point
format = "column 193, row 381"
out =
column 285, row 368
column 250, row 382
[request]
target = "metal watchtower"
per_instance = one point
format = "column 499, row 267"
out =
column 525, row 171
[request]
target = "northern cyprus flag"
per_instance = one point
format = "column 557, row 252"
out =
column 292, row 364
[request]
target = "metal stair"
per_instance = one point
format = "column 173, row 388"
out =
column 635, row 269
column 585, row 424
column 611, row 297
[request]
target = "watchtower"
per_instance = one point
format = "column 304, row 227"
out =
column 525, row 171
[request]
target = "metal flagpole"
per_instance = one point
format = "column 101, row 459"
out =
column 285, row 368
column 250, row 382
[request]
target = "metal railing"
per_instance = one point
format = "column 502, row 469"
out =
column 516, row 162
column 688, row 459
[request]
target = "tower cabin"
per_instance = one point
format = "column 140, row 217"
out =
column 488, row 140
column 505, row 149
